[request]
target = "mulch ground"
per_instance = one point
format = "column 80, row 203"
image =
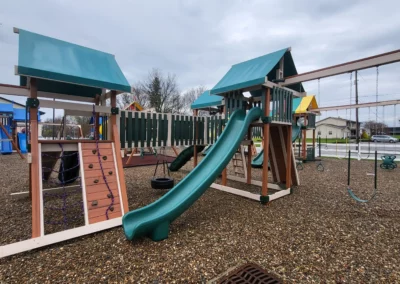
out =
column 317, row 234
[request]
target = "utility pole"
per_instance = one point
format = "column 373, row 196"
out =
column 357, row 123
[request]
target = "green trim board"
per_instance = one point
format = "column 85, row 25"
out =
column 67, row 68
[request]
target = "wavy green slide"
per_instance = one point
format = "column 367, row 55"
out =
column 258, row 160
column 154, row 219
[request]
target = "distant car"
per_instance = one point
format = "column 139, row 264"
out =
column 384, row 138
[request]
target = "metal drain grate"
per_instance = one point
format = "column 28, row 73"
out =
column 249, row 273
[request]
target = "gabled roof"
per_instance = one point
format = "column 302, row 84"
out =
column 304, row 104
column 253, row 72
column 67, row 68
column 206, row 100
column 134, row 105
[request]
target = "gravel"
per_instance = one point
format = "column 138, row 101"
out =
column 317, row 234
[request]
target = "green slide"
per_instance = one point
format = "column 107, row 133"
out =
column 258, row 160
column 184, row 157
column 154, row 219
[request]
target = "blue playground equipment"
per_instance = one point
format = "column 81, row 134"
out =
column 6, row 147
column 22, row 142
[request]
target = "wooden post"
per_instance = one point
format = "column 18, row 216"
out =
column 117, row 144
column 289, row 157
column 304, row 142
column 266, row 126
column 34, row 166
column 224, row 171
column 313, row 138
column 196, row 136
column 249, row 156
column 97, row 120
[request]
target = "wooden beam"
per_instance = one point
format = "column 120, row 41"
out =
column 120, row 169
column 264, row 188
column 363, row 105
column 270, row 84
column 196, row 136
column 289, row 157
column 46, row 240
column 74, row 106
column 249, row 156
column 364, row 63
column 34, row 165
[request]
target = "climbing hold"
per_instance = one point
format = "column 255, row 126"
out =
column 104, row 158
column 94, row 203
column 110, row 172
column 90, row 166
column 96, row 181
column 109, row 195
column 94, row 151
column 112, row 208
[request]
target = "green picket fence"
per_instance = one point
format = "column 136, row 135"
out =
column 140, row 129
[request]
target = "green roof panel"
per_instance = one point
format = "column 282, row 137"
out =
column 248, row 73
column 56, row 63
column 206, row 100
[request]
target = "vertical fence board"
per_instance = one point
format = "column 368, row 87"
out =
column 136, row 131
column 122, row 129
column 154, row 129
column 172, row 130
column 129, row 129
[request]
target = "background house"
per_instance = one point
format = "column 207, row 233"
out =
column 335, row 127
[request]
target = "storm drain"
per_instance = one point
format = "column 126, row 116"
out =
column 249, row 273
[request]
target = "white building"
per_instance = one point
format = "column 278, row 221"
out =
column 334, row 127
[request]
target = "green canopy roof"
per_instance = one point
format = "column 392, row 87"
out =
column 66, row 68
column 206, row 100
column 253, row 72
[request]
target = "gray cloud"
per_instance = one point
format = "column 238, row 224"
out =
column 200, row 40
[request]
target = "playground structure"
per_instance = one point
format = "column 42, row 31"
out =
column 12, row 114
column 100, row 181
column 91, row 169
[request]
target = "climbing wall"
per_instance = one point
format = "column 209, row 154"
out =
column 102, row 192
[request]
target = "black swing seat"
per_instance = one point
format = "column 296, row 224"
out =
column 162, row 183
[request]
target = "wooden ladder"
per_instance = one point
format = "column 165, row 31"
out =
column 239, row 163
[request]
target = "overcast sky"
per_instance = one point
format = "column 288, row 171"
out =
column 199, row 40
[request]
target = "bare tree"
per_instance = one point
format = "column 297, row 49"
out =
column 375, row 127
column 137, row 95
column 190, row 96
column 162, row 91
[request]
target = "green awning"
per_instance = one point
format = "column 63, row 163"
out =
column 248, row 73
column 253, row 72
column 66, row 68
column 206, row 100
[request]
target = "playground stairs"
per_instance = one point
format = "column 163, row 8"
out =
column 100, row 201
column 239, row 163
